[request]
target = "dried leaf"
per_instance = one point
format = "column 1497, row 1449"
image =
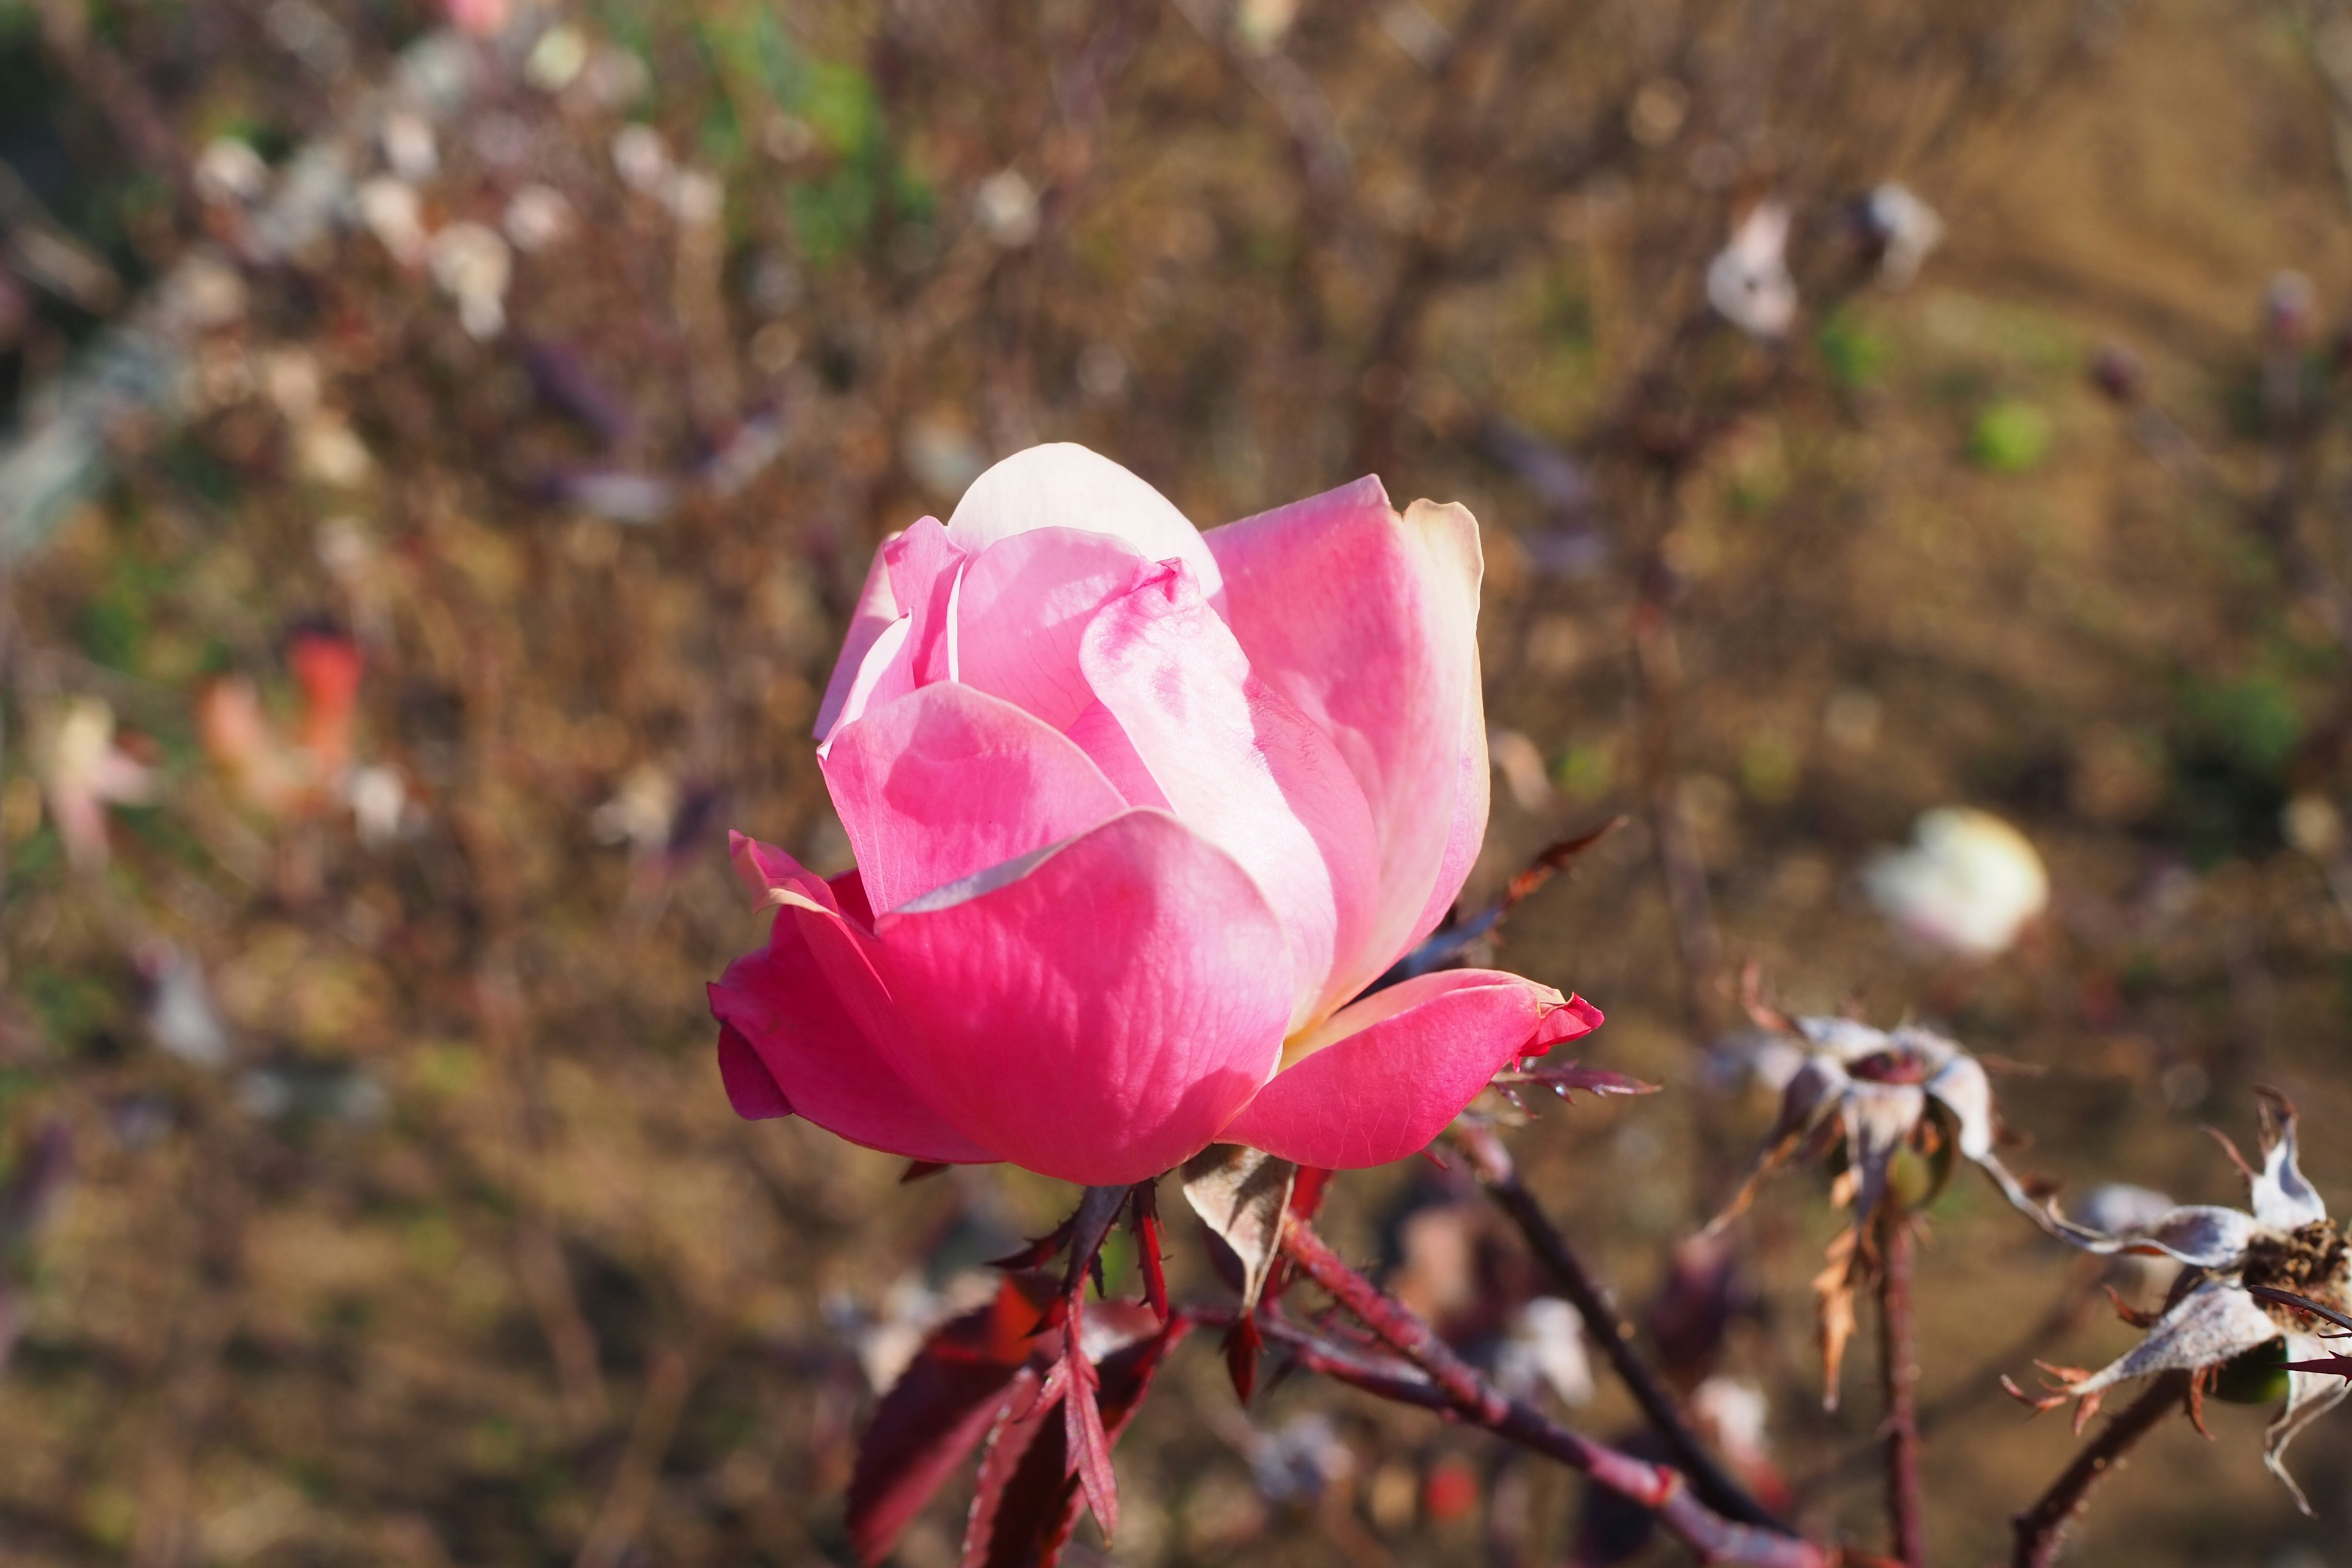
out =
column 1834, row 1311
column 1241, row 1195
column 938, row 1410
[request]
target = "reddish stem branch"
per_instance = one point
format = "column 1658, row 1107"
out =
column 1604, row 1327
column 1899, row 1367
column 1470, row 1397
column 2040, row 1528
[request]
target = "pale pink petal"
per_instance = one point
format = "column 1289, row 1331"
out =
column 1065, row 486
column 1023, row 608
column 1101, row 1013
column 876, row 610
column 803, row 1008
column 925, row 567
column 947, row 782
column 1366, row 622
column 765, row 871
column 1383, row 1077
column 1243, row 769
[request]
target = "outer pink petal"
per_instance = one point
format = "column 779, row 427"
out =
column 1100, row 1014
column 925, row 567
column 1243, row 769
column 1386, row 1075
column 1023, row 608
column 1063, row 485
column 1366, row 622
column 876, row 610
column 947, row 782
column 800, row 1015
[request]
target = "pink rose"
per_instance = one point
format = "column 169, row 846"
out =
column 1138, row 811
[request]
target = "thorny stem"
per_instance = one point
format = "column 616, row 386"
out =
column 1447, row 1381
column 1604, row 1327
column 1899, row 1367
column 2039, row 1528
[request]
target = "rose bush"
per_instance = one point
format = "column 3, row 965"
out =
column 1137, row 812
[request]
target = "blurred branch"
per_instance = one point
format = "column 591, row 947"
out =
column 1432, row 1375
column 1899, row 1374
column 2040, row 1528
column 1604, row 1327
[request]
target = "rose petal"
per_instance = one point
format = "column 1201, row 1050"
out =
column 1367, row 623
column 1098, row 1017
column 1243, row 769
column 1023, row 608
column 803, row 1008
column 947, row 782
column 1384, row 1077
column 1063, row 485
column 876, row 610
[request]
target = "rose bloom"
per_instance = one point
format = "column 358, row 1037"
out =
column 1138, row 814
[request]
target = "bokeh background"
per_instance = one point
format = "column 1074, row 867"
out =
column 438, row 449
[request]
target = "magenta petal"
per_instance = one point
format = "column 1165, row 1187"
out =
column 1243, row 769
column 1062, row 485
column 805, row 1008
column 876, row 610
column 1385, row 1076
column 947, row 782
column 1367, row 623
column 750, row 1088
column 1102, row 1012
column 1023, row 608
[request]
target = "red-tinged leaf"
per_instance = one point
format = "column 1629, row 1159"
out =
column 1306, row 1192
column 937, row 1411
column 1242, row 1343
column 1027, row 1500
column 1089, row 1445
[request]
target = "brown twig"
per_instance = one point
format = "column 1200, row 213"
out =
column 2039, row 1529
column 1605, row 1327
column 1899, row 1368
column 621, row 1520
column 1434, row 1376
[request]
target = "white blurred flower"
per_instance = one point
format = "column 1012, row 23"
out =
column 1544, row 1346
column 228, row 171
column 1968, row 884
column 180, row 1017
column 390, row 210
column 642, row 813
column 642, row 158
column 1733, row 1410
column 473, row 266
column 1521, row 764
column 83, row 771
column 537, row 217
column 409, row 150
column 1748, row 283
column 556, row 59
column 329, row 451
column 1004, row 204
column 379, row 802
column 697, row 198
column 1905, row 229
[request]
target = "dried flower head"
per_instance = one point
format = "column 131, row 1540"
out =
column 1890, row 1109
column 2287, row 1242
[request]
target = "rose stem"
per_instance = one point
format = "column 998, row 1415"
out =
column 1604, row 1327
column 1449, row 1383
column 2038, row 1528
column 1899, row 1368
